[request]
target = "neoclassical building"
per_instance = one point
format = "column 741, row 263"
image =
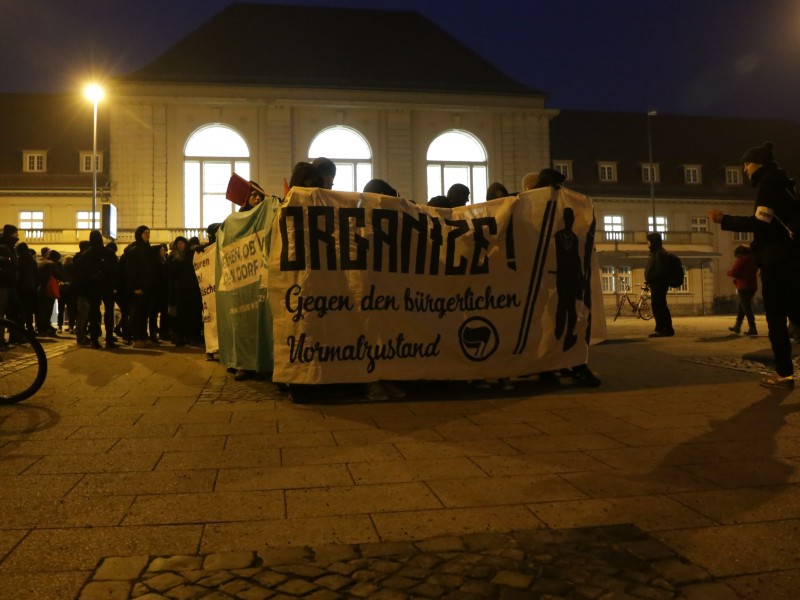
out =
column 387, row 95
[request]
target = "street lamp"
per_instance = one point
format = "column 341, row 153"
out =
column 651, row 170
column 94, row 93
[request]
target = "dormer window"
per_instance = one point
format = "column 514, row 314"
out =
column 86, row 162
column 651, row 172
column 607, row 171
column 692, row 174
column 564, row 167
column 34, row 161
column 733, row 176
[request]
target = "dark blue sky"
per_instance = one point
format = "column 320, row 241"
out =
column 702, row 57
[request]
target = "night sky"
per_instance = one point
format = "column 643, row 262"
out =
column 693, row 57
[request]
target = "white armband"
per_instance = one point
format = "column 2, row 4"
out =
column 764, row 213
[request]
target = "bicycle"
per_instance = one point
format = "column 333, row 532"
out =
column 23, row 363
column 641, row 307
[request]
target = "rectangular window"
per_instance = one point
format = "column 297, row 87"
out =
column 612, row 227
column 733, row 176
column 86, row 162
column 34, row 162
column 651, row 171
column 661, row 226
column 608, row 279
column 607, row 171
column 31, row 219
column 83, row 220
column 699, row 223
column 564, row 167
column 691, row 174
column 742, row 236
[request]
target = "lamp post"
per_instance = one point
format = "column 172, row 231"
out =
column 94, row 93
column 651, row 170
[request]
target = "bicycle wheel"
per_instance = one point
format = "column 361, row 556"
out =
column 645, row 310
column 619, row 307
column 23, row 363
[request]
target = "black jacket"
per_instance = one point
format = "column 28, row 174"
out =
column 771, row 242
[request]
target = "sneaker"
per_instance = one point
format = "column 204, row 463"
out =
column 376, row 391
column 393, row 390
column 735, row 329
column 658, row 334
column 583, row 375
column 751, row 332
column 777, row 382
column 111, row 345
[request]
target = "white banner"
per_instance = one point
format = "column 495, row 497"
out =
column 366, row 287
column 205, row 266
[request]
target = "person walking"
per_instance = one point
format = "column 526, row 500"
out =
column 776, row 250
column 744, row 273
column 656, row 275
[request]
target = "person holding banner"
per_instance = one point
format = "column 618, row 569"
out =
column 327, row 170
column 254, row 198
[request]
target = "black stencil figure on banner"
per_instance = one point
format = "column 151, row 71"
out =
column 569, row 280
column 587, row 277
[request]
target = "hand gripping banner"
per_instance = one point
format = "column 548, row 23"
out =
column 364, row 287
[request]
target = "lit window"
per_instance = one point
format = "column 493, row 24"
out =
column 86, row 162
column 612, row 227
column 614, row 279
column 733, row 176
column 34, row 162
column 661, row 226
column 351, row 154
column 651, row 172
column 30, row 220
column 83, row 220
column 564, row 167
column 457, row 157
column 607, row 171
column 211, row 155
column 699, row 224
column 742, row 236
column 691, row 174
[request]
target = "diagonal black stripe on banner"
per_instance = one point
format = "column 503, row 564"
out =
column 536, row 275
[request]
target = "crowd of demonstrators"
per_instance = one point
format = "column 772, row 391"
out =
column 745, row 278
column 775, row 225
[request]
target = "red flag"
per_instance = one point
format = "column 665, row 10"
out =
column 238, row 190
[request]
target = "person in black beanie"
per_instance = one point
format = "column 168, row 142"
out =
column 776, row 248
column 141, row 274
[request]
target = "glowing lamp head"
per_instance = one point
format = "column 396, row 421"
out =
column 93, row 92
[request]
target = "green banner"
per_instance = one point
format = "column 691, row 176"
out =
column 244, row 319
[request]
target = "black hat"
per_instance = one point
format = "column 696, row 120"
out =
column 9, row 230
column 379, row 186
column 760, row 155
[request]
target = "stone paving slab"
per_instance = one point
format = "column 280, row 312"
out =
column 618, row 561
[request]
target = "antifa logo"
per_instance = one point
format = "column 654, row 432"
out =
column 478, row 338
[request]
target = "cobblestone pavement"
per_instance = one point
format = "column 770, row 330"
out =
column 599, row 562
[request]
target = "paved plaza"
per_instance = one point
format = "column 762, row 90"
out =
column 151, row 473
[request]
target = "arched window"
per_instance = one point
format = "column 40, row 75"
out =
column 349, row 151
column 457, row 157
column 211, row 155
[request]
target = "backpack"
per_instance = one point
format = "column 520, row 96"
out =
column 674, row 271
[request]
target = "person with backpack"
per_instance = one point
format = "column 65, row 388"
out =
column 657, row 274
column 775, row 225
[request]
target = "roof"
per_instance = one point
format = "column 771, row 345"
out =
column 59, row 124
column 588, row 137
column 314, row 47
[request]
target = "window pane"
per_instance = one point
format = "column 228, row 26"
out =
column 216, row 140
column 434, row 181
column 479, row 185
column 191, row 194
column 339, row 142
column 363, row 175
column 242, row 168
column 456, row 174
column 345, row 178
column 215, row 209
column 456, row 145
